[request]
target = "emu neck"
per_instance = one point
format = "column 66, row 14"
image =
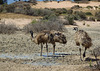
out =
column 77, row 29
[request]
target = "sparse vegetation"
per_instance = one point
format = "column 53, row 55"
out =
column 45, row 25
column 89, row 14
column 70, row 20
column 79, row 15
column 7, row 28
column 76, row 7
column 88, row 25
column 96, row 53
column 24, row 8
column 91, row 19
column 89, row 7
column 97, row 15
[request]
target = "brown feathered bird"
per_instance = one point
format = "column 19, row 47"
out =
column 82, row 39
column 40, row 38
column 49, row 37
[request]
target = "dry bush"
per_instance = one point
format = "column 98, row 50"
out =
column 97, row 15
column 96, row 53
column 7, row 29
column 44, row 25
column 91, row 19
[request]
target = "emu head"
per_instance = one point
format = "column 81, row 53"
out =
column 75, row 28
column 59, row 37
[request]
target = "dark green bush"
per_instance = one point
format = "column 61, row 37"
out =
column 80, row 15
column 89, row 7
column 3, row 8
column 59, row 11
column 76, row 17
column 70, row 11
column 89, row 13
column 70, row 19
column 10, row 8
column 50, row 17
column 76, row 7
column 25, row 8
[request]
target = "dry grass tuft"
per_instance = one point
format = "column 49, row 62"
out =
column 8, row 28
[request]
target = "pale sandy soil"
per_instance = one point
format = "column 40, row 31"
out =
column 21, row 22
column 63, row 4
column 17, row 19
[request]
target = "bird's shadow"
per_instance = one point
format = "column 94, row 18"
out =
column 91, row 59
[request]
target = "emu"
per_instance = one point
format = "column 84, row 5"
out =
column 49, row 37
column 82, row 39
column 40, row 38
column 56, row 36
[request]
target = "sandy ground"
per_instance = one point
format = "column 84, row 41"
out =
column 18, row 53
column 21, row 22
column 62, row 4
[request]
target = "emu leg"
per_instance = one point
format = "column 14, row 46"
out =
column 41, row 49
column 84, row 52
column 54, row 49
column 80, row 54
column 47, row 49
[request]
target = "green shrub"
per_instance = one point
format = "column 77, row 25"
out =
column 3, row 8
column 70, row 19
column 34, row 21
column 50, row 17
column 10, row 8
column 76, row 17
column 89, row 13
column 80, row 15
column 76, row 7
column 70, row 11
column 89, row 7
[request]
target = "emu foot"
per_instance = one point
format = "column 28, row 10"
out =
column 81, row 59
column 40, row 54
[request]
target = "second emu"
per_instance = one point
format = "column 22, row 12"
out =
column 82, row 39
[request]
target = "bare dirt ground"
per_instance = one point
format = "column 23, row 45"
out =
column 63, row 4
column 19, row 53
